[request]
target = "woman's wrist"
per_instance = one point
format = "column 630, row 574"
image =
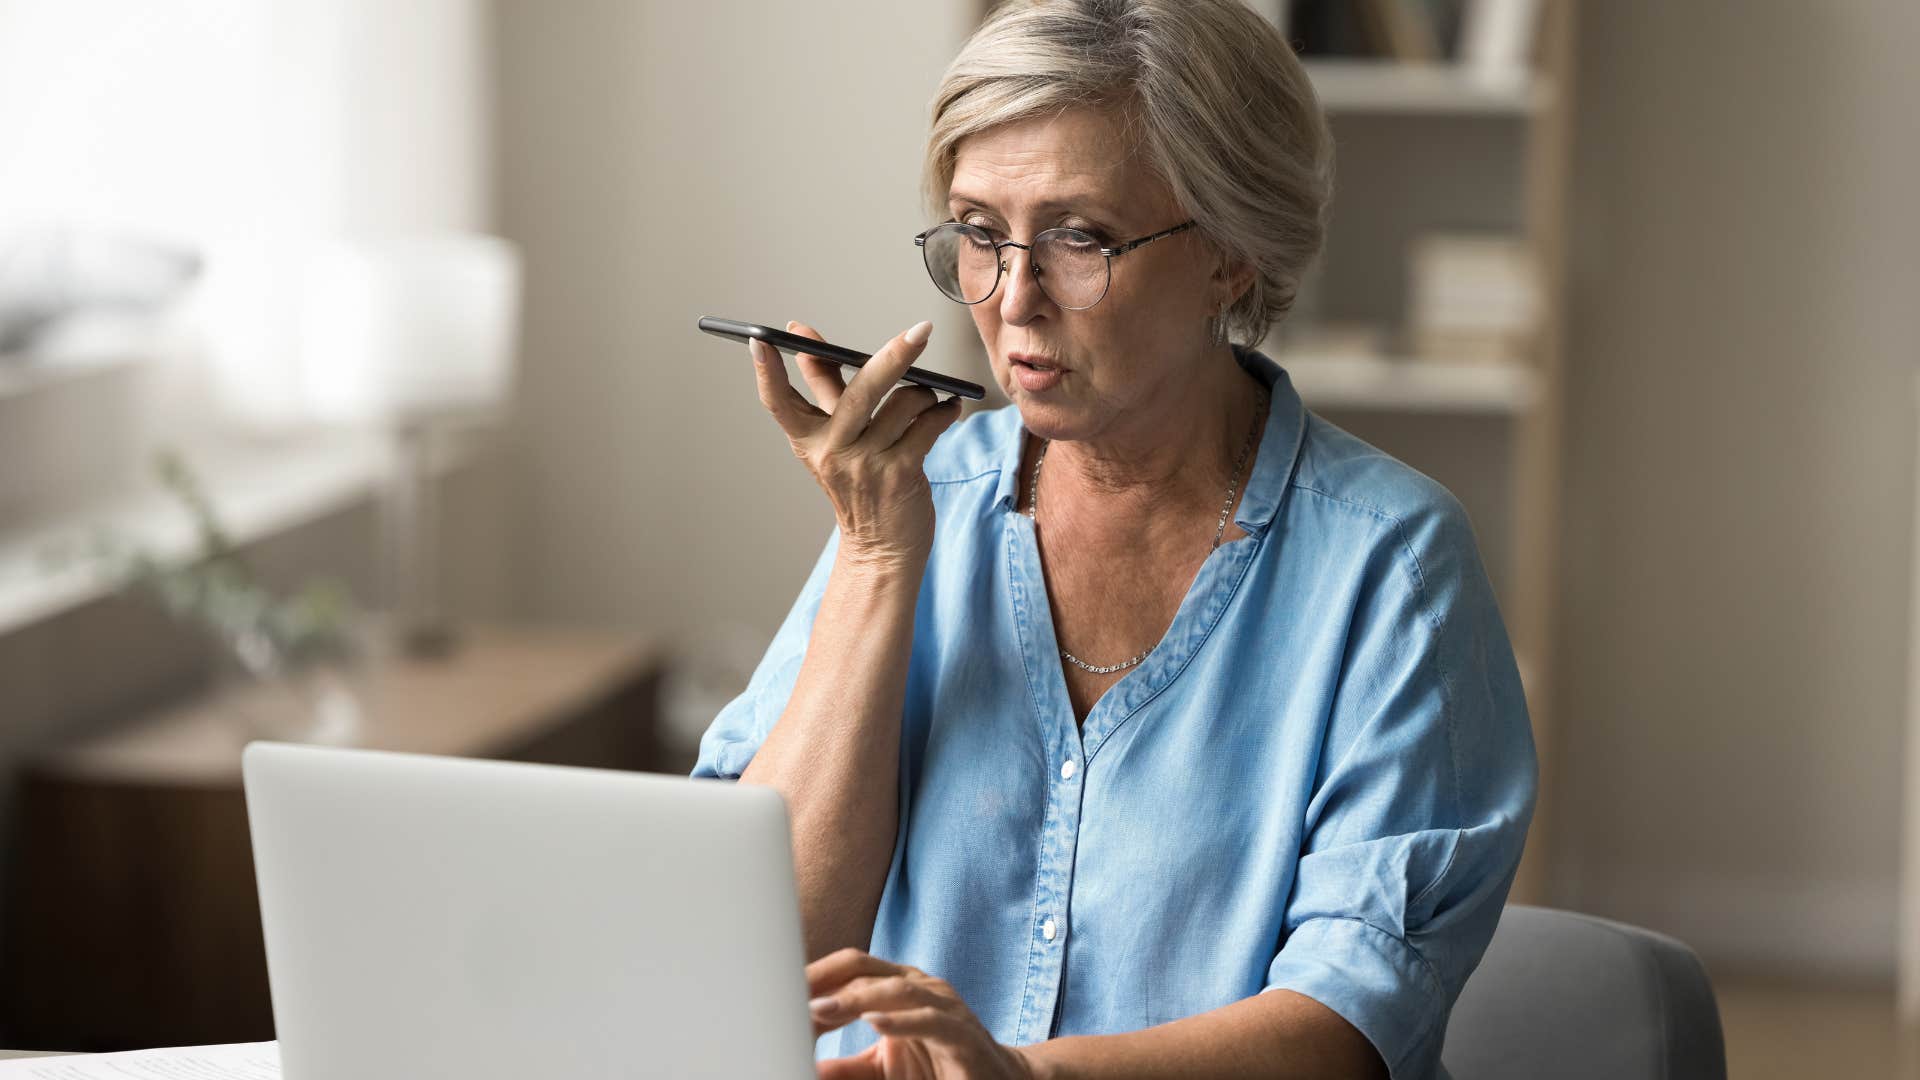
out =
column 1035, row 1065
column 879, row 564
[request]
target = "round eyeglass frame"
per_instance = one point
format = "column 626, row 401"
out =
column 1001, row 270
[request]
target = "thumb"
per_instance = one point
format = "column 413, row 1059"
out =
column 862, row 1066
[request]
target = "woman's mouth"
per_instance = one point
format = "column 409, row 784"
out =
column 1035, row 373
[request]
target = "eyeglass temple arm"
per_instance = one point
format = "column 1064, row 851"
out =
column 1145, row 240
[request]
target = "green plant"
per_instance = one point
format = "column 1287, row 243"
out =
column 216, row 588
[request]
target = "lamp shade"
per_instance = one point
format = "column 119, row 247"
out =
column 410, row 328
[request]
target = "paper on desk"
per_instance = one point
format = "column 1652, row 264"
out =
column 234, row 1061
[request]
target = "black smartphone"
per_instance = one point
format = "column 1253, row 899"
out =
column 794, row 343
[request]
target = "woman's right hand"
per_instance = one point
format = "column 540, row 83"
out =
column 866, row 447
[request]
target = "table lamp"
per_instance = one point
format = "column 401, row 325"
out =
column 414, row 336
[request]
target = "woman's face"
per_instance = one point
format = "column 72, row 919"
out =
column 1106, row 371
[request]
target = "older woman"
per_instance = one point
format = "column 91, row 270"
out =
column 1152, row 726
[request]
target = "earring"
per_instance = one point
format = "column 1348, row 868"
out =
column 1217, row 328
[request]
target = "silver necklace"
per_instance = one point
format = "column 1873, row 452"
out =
column 1220, row 530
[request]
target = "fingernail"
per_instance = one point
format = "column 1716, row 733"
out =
column 791, row 324
column 874, row 1018
column 918, row 333
column 758, row 350
column 822, row 1005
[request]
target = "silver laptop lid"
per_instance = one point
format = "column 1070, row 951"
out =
column 438, row 917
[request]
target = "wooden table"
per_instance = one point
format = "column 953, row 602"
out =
column 132, row 918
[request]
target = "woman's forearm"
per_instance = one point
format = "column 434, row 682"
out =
column 1277, row 1035
column 834, row 754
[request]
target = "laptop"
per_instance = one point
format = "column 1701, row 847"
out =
column 443, row 917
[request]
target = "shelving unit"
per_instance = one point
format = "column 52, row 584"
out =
column 1386, row 86
column 1412, row 385
column 1428, row 146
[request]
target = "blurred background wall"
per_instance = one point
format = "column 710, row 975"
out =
column 1743, row 342
column 659, row 162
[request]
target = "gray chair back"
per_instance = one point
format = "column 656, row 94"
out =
column 1581, row 998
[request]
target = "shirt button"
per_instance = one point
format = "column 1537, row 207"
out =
column 1047, row 929
column 1066, row 769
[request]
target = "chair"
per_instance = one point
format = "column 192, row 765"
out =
column 1574, row 997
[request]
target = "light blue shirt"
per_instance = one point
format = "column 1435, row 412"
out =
column 1319, row 780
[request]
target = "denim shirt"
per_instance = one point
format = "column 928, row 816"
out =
column 1319, row 780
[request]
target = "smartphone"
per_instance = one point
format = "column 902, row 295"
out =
column 794, row 343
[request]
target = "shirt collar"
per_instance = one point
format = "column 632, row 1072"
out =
column 1273, row 463
column 1280, row 441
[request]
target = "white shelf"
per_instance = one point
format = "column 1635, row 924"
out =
column 1374, row 383
column 258, row 491
column 20, row 376
column 1390, row 86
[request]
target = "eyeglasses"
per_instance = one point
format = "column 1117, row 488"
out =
column 1071, row 266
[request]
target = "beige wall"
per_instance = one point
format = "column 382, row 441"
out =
column 1743, row 338
column 661, row 161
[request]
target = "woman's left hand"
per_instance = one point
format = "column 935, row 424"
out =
column 926, row 1031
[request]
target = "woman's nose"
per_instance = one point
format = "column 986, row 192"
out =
column 1023, row 298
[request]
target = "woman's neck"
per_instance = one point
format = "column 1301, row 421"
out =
column 1181, row 452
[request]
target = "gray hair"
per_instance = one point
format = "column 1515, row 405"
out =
column 1213, row 97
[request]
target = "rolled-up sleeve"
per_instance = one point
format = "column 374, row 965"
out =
column 736, row 734
column 1425, row 788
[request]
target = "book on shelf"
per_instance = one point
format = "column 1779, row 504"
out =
column 1497, row 39
column 1472, row 298
column 1491, row 40
column 1402, row 29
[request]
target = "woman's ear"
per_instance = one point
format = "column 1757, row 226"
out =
column 1231, row 280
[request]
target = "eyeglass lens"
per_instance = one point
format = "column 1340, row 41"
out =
column 1068, row 264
